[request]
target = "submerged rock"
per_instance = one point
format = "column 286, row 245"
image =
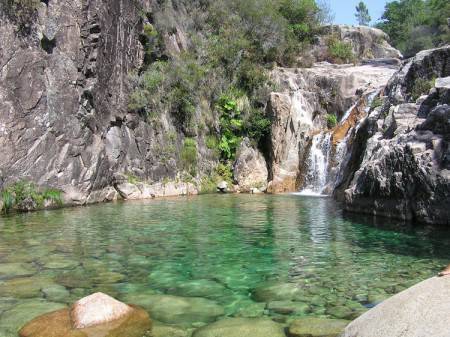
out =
column 95, row 315
column 13, row 270
column 316, row 327
column 276, row 291
column 179, row 310
column 25, row 311
column 422, row 310
column 241, row 327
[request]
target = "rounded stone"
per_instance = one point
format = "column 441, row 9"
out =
column 316, row 327
column 199, row 288
column 179, row 310
column 241, row 327
column 58, row 323
column 276, row 291
column 13, row 270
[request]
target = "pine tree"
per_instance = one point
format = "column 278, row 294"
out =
column 362, row 14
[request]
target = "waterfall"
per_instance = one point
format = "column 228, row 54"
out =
column 317, row 164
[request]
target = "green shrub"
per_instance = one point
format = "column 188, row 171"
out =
column 421, row 87
column 258, row 125
column 331, row 121
column 16, row 193
column 189, row 156
column 376, row 102
column 340, row 51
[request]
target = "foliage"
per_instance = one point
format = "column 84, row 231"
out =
column 22, row 190
column 132, row 179
column 189, row 156
column 231, row 126
column 414, row 25
column 222, row 172
column 340, row 51
column 331, row 121
column 362, row 14
column 421, row 87
column 376, row 102
column 21, row 12
column 258, row 125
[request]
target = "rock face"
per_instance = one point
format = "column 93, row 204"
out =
column 298, row 111
column 64, row 117
column 95, row 315
column 422, row 310
column 250, row 168
column 97, row 309
column 366, row 42
column 399, row 165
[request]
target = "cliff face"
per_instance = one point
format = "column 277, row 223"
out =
column 400, row 165
column 64, row 92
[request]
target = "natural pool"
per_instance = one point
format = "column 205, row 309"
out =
column 190, row 261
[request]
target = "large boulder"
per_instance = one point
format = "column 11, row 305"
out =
column 241, row 327
column 422, row 310
column 95, row 315
column 250, row 168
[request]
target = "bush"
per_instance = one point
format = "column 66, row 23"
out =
column 421, row 87
column 331, row 121
column 340, row 51
column 258, row 125
column 22, row 190
column 189, row 156
column 376, row 102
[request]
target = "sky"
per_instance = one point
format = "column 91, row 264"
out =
column 344, row 10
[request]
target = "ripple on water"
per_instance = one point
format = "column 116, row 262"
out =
column 193, row 261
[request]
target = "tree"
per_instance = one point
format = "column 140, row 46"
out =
column 362, row 14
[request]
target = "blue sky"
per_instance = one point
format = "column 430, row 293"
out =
column 344, row 10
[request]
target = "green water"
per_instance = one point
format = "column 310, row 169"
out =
column 238, row 255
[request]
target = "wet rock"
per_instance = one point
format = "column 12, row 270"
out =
column 25, row 311
column 421, row 310
column 56, row 293
column 276, row 291
column 241, row 327
column 199, row 288
column 250, row 168
column 58, row 323
column 59, row 262
column 288, row 307
column 14, row 270
column 26, row 287
column 179, row 310
column 340, row 311
column 161, row 330
column 316, row 327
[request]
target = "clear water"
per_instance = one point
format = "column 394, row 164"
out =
column 225, row 248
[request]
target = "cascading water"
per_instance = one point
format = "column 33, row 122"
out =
column 321, row 178
column 317, row 163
